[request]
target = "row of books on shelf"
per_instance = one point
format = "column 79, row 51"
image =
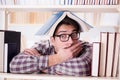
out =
column 9, row 47
column 105, row 59
column 59, row 2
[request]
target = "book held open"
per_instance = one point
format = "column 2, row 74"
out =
column 49, row 27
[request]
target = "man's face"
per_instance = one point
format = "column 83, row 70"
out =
column 61, row 41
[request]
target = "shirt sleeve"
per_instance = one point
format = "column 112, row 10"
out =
column 80, row 66
column 23, row 63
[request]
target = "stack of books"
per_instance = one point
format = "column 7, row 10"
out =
column 9, row 47
column 106, row 55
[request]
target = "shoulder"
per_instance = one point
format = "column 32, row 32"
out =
column 41, row 43
column 86, row 44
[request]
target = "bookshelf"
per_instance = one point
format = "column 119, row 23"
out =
column 73, row 8
column 53, row 77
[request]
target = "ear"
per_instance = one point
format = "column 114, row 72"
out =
column 52, row 40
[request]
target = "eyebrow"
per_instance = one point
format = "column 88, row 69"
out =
column 66, row 31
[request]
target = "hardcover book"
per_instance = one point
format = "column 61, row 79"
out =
column 49, row 27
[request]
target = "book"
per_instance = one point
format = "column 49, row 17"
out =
column 95, row 58
column 1, row 50
column 8, row 37
column 116, row 55
column 49, row 23
column 10, row 50
column 49, row 27
column 83, row 25
column 110, row 53
column 103, row 53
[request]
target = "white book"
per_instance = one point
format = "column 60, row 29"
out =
column 101, row 2
column 21, row 2
column 57, row 2
column 66, row 2
column 1, row 50
column 95, row 58
column 10, row 50
column 106, row 2
column 72, row 2
column 5, row 57
column 9, row 2
column 0, row 2
column 30, row 2
column 62, row 2
column 109, row 56
column 86, row 2
column 116, row 55
column 3, row 2
column 89, row 2
column 104, row 44
column 115, row 2
column 69, row 2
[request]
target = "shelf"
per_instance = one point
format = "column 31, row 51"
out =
column 74, row 8
column 52, row 77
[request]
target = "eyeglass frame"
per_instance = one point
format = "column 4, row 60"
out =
column 68, row 36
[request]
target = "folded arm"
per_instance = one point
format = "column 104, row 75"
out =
column 80, row 66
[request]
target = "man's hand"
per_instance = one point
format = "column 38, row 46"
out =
column 31, row 51
column 69, row 52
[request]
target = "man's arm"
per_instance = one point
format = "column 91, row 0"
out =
column 24, row 63
column 29, row 62
column 80, row 66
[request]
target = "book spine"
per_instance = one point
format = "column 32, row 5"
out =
column 104, row 45
column 5, row 57
column 110, row 53
column 116, row 54
column 1, row 50
column 95, row 58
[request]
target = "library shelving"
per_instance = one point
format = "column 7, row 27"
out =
column 52, row 77
column 74, row 8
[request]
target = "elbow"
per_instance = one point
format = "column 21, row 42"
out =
column 23, row 65
column 15, row 67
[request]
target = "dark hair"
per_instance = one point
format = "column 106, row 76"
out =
column 68, row 21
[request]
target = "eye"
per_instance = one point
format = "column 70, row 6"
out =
column 75, row 35
column 63, row 36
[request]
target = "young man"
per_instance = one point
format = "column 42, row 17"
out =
column 64, row 54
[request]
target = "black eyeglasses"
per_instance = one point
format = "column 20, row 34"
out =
column 65, row 37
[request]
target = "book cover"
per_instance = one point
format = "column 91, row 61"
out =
column 49, row 27
column 83, row 25
column 116, row 55
column 95, row 58
column 110, row 53
column 103, row 53
column 1, row 50
column 48, row 24
column 10, row 50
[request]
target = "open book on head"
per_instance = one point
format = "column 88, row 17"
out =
column 49, row 27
